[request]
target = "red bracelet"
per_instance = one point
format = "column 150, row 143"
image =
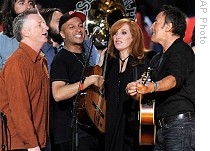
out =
column 81, row 86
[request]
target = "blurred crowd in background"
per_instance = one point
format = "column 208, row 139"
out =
column 145, row 14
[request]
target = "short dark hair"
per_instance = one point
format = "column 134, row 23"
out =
column 178, row 19
column 67, row 16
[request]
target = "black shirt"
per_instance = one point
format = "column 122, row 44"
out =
column 121, row 109
column 65, row 67
column 178, row 61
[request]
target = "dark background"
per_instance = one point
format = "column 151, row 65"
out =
column 150, row 6
column 145, row 7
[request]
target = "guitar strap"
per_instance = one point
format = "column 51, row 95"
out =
column 135, row 77
column 135, row 73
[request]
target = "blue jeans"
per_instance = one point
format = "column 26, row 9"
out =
column 178, row 135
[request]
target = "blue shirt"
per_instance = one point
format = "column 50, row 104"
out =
column 49, row 52
column 94, row 57
column 7, row 47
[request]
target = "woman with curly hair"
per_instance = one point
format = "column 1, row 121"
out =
column 10, row 9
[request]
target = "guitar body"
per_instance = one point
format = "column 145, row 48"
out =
column 82, row 115
column 92, row 105
column 96, row 107
column 147, row 128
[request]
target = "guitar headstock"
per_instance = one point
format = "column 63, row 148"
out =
column 146, row 76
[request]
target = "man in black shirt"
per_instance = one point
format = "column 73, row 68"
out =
column 174, row 83
column 66, row 72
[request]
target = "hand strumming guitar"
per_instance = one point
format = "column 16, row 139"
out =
column 149, row 87
column 137, row 88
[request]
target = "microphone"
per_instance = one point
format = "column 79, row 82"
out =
column 96, row 30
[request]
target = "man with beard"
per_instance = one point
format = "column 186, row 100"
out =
column 55, row 41
column 50, row 48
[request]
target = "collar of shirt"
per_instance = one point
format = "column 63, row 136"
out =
column 32, row 54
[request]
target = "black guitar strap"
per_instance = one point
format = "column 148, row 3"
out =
column 135, row 73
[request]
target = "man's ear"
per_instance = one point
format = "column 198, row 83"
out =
column 25, row 32
column 169, row 27
column 62, row 34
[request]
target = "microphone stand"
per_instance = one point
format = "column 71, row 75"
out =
column 3, row 131
column 74, row 122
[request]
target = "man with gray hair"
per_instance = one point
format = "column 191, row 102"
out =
column 24, row 86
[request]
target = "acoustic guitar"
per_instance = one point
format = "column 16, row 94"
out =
column 93, row 100
column 92, row 105
column 147, row 128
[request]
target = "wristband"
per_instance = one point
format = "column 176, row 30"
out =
column 81, row 86
column 156, row 86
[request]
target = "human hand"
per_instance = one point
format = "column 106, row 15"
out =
column 97, row 80
column 131, row 88
column 102, row 57
column 37, row 148
column 145, row 88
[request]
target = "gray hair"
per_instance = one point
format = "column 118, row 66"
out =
column 19, row 21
